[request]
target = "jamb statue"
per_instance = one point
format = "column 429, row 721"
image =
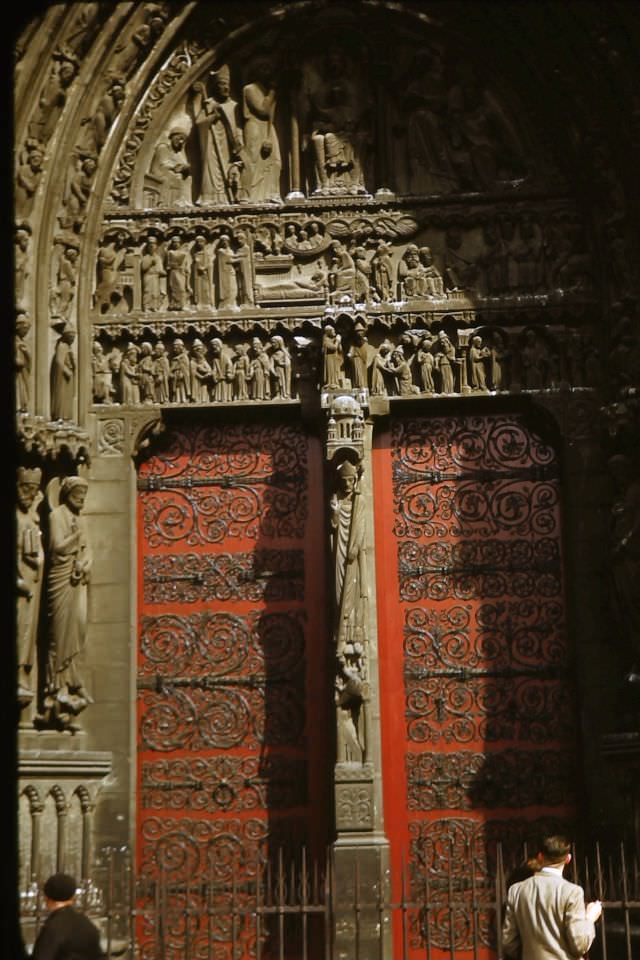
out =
column 69, row 572
column 30, row 561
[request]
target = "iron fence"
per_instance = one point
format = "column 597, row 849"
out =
column 293, row 911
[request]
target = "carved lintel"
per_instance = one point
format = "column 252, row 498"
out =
column 51, row 439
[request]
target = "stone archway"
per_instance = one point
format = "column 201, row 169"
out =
column 373, row 209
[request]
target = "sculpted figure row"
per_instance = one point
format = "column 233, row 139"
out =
column 449, row 134
column 149, row 374
column 255, row 266
column 420, row 363
column 60, row 694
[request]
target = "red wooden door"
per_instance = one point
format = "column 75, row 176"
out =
column 232, row 711
column 478, row 716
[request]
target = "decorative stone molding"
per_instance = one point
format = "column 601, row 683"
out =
column 52, row 438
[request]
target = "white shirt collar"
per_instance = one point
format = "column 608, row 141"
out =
column 557, row 871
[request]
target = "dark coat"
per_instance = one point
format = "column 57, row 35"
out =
column 67, row 935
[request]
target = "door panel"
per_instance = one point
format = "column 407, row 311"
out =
column 474, row 661
column 231, row 668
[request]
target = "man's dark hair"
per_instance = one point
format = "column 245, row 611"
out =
column 554, row 849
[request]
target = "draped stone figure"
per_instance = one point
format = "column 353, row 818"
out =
column 178, row 267
column 161, row 373
column 69, row 573
column 281, row 364
column 261, row 371
column 63, row 376
column 22, row 362
column 348, row 529
column 332, row 358
column 152, row 273
column 220, row 140
column 348, row 544
column 201, row 373
column 30, row 560
column 168, row 181
column 180, row 373
column 260, row 177
column 202, row 282
column 226, row 280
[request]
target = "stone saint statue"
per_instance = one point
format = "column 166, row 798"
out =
column 348, row 545
column 336, row 110
column 22, row 362
column 69, row 572
column 30, row 558
column 168, row 181
column 220, row 140
column 332, row 358
column 260, row 177
column 351, row 611
column 63, row 376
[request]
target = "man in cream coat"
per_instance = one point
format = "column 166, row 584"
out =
column 546, row 915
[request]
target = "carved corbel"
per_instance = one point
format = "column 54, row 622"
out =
column 144, row 430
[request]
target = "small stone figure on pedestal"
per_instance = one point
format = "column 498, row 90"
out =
column 63, row 376
column 30, row 560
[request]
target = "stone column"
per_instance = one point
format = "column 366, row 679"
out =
column 361, row 850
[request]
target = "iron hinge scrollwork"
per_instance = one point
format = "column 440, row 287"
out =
column 153, row 482
column 476, row 568
column 197, row 578
column 160, row 684
column 533, row 473
column 465, row 674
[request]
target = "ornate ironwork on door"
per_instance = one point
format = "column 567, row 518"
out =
column 231, row 667
column 472, row 643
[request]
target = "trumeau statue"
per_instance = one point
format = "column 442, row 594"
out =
column 348, row 533
column 349, row 556
column 69, row 572
column 30, row 560
column 219, row 139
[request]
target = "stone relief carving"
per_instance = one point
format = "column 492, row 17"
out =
column 30, row 161
column 168, row 181
column 284, row 261
column 69, row 571
column 63, row 292
column 139, row 38
column 350, row 351
column 54, row 95
column 30, row 561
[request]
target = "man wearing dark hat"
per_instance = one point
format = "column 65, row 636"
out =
column 65, row 934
